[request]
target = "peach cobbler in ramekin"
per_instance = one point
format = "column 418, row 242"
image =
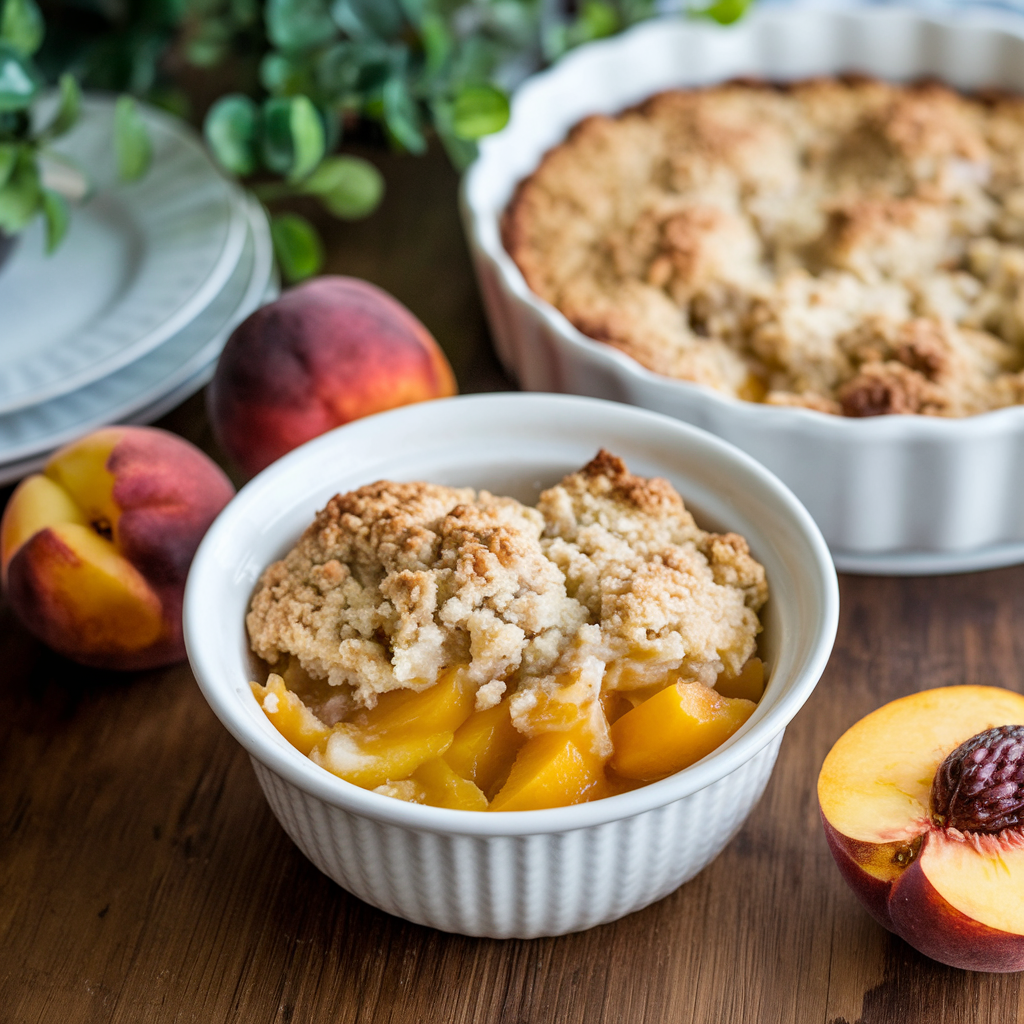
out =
column 455, row 648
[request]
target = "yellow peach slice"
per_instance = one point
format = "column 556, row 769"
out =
column 442, row 707
column 292, row 719
column 674, row 729
column 443, row 788
column 549, row 771
column 36, row 504
column 485, row 746
column 81, row 470
column 749, row 684
column 89, row 591
column 371, row 761
column 614, row 705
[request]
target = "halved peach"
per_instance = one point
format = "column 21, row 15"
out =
column 923, row 806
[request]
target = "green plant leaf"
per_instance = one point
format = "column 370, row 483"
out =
column 297, row 246
column 402, row 116
column 8, row 158
column 461, row 152
column 598, row 20
column 19, row 79
column 438, row 42
column 232, row 132
column 299, row 24
column 307, row 137
column 479, row 110
column 348, row 186
column 281, row 75
column 381, row 18
column 293, row 136
column 22, row 26
column 725, row 12
column 131, row 140
column 69, row 108
column 55, row 210
column 21, row 196
column 209, row 44
column 277, row 135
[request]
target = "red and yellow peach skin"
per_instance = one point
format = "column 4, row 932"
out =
column 325, row 353
column 95, row 550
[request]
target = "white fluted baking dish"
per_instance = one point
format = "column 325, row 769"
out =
column 892, row 494
column 537, row 872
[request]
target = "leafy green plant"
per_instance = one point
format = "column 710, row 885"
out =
column 306, row 76
column 26, row 189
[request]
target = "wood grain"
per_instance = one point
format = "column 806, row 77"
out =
column 142, row 877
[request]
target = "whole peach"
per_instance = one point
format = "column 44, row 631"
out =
column 95, row 550
column 327, row 352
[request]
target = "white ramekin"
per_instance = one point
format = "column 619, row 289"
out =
column 892, row 494
column 538, row 872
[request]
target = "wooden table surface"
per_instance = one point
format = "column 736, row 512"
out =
column 143, row 878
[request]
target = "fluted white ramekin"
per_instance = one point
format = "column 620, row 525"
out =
column 538, row 872
column 892, row 494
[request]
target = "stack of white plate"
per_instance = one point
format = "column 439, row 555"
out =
column 127, row 318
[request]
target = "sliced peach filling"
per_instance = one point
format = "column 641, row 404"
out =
column 432, row 746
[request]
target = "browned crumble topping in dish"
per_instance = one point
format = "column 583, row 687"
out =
column 607, row 582
column 843, row 245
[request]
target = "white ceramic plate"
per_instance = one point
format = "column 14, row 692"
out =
column 139, row 263
column 28, row 436
column 14, row 471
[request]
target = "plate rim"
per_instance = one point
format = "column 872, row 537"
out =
column 261, row 285
column 226, row 262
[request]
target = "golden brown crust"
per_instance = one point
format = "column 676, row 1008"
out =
column 394, row 582
column 741, row 235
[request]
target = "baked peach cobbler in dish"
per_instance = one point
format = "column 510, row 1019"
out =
column 843, row 245
column 454, row 648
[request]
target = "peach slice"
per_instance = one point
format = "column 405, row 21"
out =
column 441, row 707
column 95, row 550
column 674, row 729
column 749, row 684
column 443, row 788
column 485, row 746
column 550, row 770
column 371, row 761
column 292, row 719
column 922, row 803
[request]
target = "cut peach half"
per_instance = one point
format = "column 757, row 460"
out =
column 923, row 805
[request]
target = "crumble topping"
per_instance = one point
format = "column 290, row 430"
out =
column 608, row 584
column 844, row 245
